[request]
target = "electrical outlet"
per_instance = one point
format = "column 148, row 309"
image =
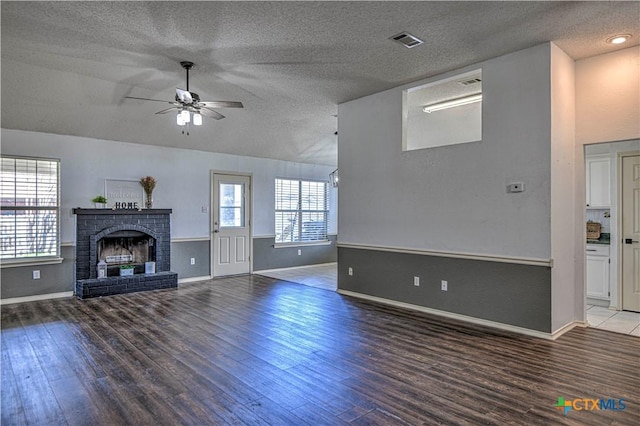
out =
column 36, row 274
column 444, row 285
column 205, row 209
column 193, row 260
column 416, row 281
column 350, row 271
column 299, row 252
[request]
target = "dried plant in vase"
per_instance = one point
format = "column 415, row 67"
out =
column 148, row 184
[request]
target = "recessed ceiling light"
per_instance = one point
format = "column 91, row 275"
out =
column 619, row 38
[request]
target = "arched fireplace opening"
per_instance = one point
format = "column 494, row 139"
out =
column 126, row 247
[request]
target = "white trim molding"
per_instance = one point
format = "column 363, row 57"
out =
column 47, row 296
column 263, row 271
column 457, row 255
column 465, row 318
column 189, row 240
column 194, row 279
column 302, row 244
column 31, row 262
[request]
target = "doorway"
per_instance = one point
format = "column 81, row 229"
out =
column 611, row 274
column 231, row 224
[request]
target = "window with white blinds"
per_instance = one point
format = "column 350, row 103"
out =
column 29, row 198
column 302, row 210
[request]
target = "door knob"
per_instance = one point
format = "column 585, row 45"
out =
column 630, row 241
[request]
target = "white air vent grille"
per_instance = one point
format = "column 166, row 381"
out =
column 407, row 40
column 470, row 81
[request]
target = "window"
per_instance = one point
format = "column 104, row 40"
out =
column 302, row 209
column 231, row 205
column 444, row 112
column 29, row 197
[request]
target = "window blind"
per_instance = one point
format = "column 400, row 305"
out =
column 302, row 209
column 29, row 199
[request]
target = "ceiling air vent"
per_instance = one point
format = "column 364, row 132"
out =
column 470, row 82
column 407, row 40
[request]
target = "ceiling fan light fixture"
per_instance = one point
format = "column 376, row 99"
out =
column 187, row 102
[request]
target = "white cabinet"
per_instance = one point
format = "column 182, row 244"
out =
column 598, row 271
column 598, row 181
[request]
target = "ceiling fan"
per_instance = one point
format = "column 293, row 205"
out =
column 187, row 103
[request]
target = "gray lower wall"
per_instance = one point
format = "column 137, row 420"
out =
column 266, row 256
column 181, row 254
column 19, row 282
column 518, row 295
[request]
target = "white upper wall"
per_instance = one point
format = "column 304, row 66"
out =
column 608, row 97
column 183, row 177
column 453, row 198
column 566, row 243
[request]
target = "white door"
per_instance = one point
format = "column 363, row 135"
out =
column 231, row 227
column 631, row 233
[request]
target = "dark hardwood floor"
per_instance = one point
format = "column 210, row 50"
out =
column 253, row 350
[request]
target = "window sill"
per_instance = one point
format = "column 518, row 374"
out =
column 301, row 244
column 30, row 262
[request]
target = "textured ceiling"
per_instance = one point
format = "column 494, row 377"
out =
column 67, row 66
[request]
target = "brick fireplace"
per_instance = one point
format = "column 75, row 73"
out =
column 122, row 237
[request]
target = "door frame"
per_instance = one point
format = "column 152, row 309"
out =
column 619, row 243
column 212, row 212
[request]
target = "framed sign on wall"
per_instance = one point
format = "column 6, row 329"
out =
column 123, row 194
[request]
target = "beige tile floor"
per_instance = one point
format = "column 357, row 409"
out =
column 618, row 321
column 326, row 277
column 321, row 276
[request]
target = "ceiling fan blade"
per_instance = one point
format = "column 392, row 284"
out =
column 164, row 111
column 184, row 96
column 221, row 104
column 147, row 99
column 207, row 112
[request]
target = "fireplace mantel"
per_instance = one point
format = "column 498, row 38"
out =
column 83, row 211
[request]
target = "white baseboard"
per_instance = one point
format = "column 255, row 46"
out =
column 47, row 296
column 264, row 271
column 568, row 327
column 472, row 320
column 194, row 279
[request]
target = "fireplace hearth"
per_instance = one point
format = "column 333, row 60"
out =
column 122, row 238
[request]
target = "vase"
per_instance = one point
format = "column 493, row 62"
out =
column 149, row 201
